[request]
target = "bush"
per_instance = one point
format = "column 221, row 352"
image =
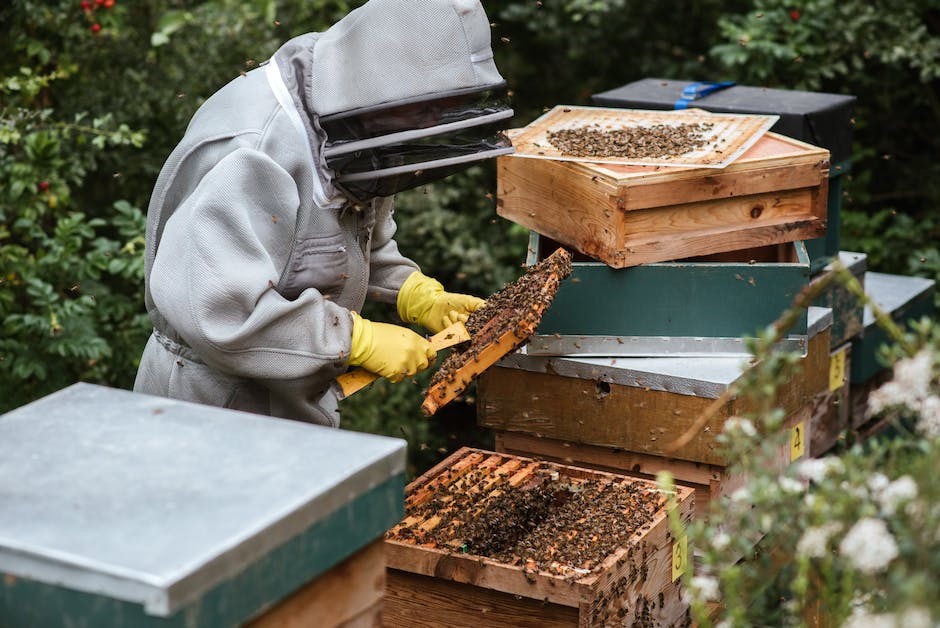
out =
column 846, row 540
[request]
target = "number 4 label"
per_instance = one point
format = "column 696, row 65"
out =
column 797, row 441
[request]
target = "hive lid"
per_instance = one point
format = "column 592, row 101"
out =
column 155, row 501
column 893, row 292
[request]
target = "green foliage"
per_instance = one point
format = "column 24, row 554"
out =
column 850, row 538
column 94, row 112
column 888, row 55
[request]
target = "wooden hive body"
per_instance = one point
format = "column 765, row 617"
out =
column 619, row 414
column 628, row 215
column 432, row 585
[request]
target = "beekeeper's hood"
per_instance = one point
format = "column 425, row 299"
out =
column 406, row 92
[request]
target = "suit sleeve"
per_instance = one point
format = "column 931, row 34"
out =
column 388, row 267
column 216, row 268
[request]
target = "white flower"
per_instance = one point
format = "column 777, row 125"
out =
column 741, row 495
column 789, row 485
column 869, row 545
column 877, row 482
column 706, row 587
column 740, row 424
column 888, row 395
column 929, row 423
column 910, row 386
column 721, row 540
column 815, row 541
column 914, row 374
column 882, row 620
column 916, row 618
column 814, row 469
column 904, row 489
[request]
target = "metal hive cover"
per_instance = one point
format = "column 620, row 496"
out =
column 150, row 500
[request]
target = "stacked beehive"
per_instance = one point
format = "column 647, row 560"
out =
column 675, row 265
column 824, row 120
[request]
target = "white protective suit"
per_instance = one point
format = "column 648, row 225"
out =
column 255, row 257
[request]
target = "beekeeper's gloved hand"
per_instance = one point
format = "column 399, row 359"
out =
column 423, row 300
column 392, row 351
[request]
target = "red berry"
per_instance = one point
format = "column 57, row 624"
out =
column 95, row 28
column 85, row 4
column 108, row 4
column 99, row 2
column 794, row 15
column 43, row 186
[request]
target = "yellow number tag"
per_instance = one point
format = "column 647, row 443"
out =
column 797, row 441
column 680, row 556
column 837, row 370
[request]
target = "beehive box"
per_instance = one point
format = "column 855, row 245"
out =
column 501, row 540
column 625, row 215
column 905, row 299
column 832, row 407
column 696, row 307
column 618, row 414
column 817, row 118
column 122, row 509
column 847, row 309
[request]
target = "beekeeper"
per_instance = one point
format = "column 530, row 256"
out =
column 271, row 222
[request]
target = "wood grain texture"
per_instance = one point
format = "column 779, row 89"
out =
column 416, row 601
column 625, row 215
column 630, row 418
column 831, row 411
column 635, row 580
column 709, row 481
column 349, row 595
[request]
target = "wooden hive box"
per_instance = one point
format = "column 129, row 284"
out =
column 695, row 307
column 905, row 299
column 435, row 577
column 618, row 413
column 818, row 118
column 832, row 406
column 123, row 509
column 625, row 215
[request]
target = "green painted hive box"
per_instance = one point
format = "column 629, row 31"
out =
column 700, row 306
column 847, row 309
column 121, row 509
column 905, row 299
column 818, row 118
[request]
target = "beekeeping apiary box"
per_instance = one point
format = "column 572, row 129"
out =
column 818, row 118
column 621, row 413
column 123, row 509
column 832, row 405
column 501, row 540
column 693, row 307
column 625, row 215
column 905, row 299
column 847, row 309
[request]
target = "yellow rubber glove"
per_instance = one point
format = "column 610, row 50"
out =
column 423, row 300
column 391, row 351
